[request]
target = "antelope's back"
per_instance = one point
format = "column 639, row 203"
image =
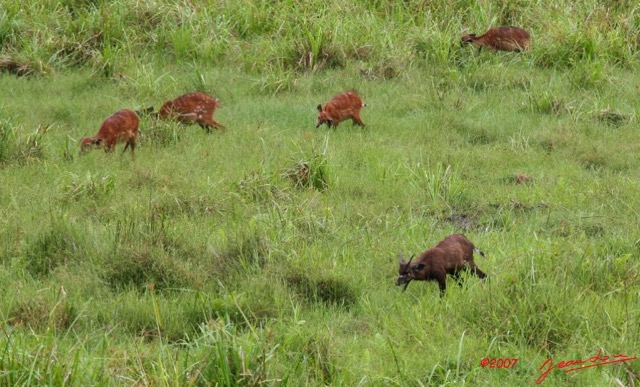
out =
column 513, row 38
column 189, row 106
column 347, row 100
column 122, row 120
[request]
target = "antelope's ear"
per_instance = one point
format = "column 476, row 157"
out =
column 418, row 266
column 97, row 141
column 320, row 108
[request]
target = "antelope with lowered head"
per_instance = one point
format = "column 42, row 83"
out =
column 450, row 256
column 341, row 107
column 190, row 108
column 506, row 38
column 118, row 127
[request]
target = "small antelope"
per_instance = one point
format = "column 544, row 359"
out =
column 508, row 38
column 121, row 126
column 450, row 256
column 192, row 107
column 341, row 107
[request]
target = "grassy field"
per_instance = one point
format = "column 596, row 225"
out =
column 207, row 260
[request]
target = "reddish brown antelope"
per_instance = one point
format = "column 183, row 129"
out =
column 341, row 107
column 508, row 38
column 121, row 126
column 190, row 108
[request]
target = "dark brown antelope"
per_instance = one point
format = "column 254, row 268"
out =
column 450, row 256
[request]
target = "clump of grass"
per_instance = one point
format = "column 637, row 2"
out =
column 580, row 226
column 610, row 267
column 244, row 312
column 437, row 46
column 32, row 148
column 8, row 138
column 310, row 174
column 555, row 141
column 17, row 67
column 570, row 48
column 520, row 178
column 275, row 81
column 612, row 117
column 189, row 206
column 68, row 149
column 182, row 42
column 163, row 133
column 474, row 134
column 315, row 288
column 316, row 52
column 543, row 322
column 440, row 183
column 147, row 268
column 105, row 61
column 253, row 19
column 147, row 255
column 589, row 76
column 381, row 71
column 55, row 246
column 38, row 315
column 462, row 221
column 17, row 149
column 245, row 251
column 90, row 186
column 79, row 7
column 320, row 358
column 547, row 103
column 222, row 355
column 261, row 186
column 48, row 361
column 180, row 318
column 80, row 47
column 596, row 158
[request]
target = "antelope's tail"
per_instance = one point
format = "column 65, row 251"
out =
column 479, row 251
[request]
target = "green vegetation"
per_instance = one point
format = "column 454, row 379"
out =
column 266, row 254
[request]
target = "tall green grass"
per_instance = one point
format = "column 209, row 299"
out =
column 266, row 254
column 303, row 36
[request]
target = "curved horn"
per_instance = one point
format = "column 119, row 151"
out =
column 411, row 259
column 401, row 259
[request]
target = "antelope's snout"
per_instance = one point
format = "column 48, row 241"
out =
column 403, row 279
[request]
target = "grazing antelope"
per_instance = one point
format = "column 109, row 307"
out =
column 450, row 256
column 508, row 38
column 190, row 108
column 121, row 126
column 341, row 107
